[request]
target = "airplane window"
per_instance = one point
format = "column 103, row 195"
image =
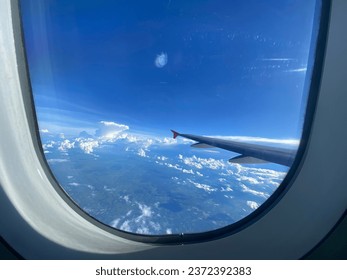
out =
column 110, row 79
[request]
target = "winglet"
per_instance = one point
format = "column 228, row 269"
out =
column 175, row 134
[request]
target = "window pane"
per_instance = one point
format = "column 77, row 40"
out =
column 111, row 78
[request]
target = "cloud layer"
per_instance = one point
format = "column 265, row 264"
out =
column 228, row 190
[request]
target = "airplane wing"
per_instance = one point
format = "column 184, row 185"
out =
column 249, row 153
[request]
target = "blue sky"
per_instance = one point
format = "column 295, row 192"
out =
column 216, row 67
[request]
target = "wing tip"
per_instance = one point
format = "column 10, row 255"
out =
column 175, row 134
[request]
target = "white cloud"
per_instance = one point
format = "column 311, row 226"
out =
column 143, row 230
column 145, row 211
column 87, row 145
column 65, row 145
column 202, row 186
column 109, row 131
column 130, row 138
column 190, row 171
column 141, row 152
column 176, row 166
column 44, row 130
column 54, row 160
column 49, row 144
column 251, row 180
column 191, row 161
column 227, row 189
column 147, row 140
column 107, row 188
column 256, row 193
column 129, row 213
column 155, row 226
column 262, row 174
column 252, row 204
column 114, row 223
column 200, row 163
column 90, row 187
column 126, row 226
column 168, row 231
column 168, row 141
column 162, row 158
column 147, row 143
column 74, row 184
column 126, row 198
column 142, row 223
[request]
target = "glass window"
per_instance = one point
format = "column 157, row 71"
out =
column 111, row 78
